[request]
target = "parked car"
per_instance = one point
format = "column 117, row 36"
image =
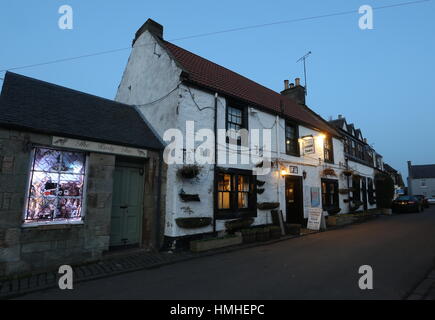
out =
column 407, row 204
column 424, row 200
column 431, row 200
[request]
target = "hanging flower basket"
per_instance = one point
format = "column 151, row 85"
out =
column 347, row 172
column 268, row 205
column 193, row 223
column 190, row 171
column 329, row 172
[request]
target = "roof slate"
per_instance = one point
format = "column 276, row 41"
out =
column 423, row 172
column 35, row 105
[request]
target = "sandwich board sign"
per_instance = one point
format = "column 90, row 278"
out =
column 315, row 216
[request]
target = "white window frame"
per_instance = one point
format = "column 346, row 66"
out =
column 29, row 182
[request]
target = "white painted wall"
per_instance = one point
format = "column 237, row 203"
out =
column 151, row 74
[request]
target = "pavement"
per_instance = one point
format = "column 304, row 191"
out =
column 400, row 249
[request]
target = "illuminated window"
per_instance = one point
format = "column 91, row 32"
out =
column 56, row 186
column 236, row 194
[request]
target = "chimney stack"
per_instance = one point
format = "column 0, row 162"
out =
column 295, row 91
column 286, row 82
column 340, row 116
column 153, row 27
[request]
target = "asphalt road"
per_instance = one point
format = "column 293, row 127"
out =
column 401, row 250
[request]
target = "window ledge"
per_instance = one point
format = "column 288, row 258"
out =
column 52, row 225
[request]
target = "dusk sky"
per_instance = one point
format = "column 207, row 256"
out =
column 381, row 79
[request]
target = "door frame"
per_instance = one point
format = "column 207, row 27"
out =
column 300, row 205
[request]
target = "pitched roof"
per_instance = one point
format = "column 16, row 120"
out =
column 423, row 172
column 30, row 104
column 212, row 76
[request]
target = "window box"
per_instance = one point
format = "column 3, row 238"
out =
column 215, row 243
column 268, row 205
column 189, row 197
column 193, row 223
column 239, row 224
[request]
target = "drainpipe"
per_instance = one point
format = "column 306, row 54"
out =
column 159, row 198
column 278, row 156
column 215, row 162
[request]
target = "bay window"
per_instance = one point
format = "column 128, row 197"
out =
column 57, row 180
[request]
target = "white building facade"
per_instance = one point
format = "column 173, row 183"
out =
column 176, row 89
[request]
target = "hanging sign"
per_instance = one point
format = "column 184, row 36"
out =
column 309, row 146
column 98, row 147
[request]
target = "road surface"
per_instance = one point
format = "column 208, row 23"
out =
column 400, row 249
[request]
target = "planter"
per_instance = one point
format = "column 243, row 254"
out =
column 260, row 183
column 347, row 173
column 260, row 191
column 216, row 243
column 275, row 232
column 329, row 172
column 239, row 224
column 193, row 223
column 249, row 235
column 343, row 191
column 189, row 197
column 189, row 171
column 268, row 205
column 263, row 234
column 293, row 229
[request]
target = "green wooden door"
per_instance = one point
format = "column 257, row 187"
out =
column 127, row 207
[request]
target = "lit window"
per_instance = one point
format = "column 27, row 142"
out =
column 56, row 186
column 236, row 194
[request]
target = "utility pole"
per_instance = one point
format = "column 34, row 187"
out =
column 304, row 59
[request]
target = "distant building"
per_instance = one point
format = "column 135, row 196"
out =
column 421, row 180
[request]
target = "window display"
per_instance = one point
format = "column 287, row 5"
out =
column 56, row 186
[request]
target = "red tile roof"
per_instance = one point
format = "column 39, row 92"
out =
column 212, row 76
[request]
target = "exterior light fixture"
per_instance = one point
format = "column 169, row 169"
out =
column 284, row 172
column 304, row 174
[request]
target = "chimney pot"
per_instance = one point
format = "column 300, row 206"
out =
column 292, row 85
column 286, row 82
column 298, row 81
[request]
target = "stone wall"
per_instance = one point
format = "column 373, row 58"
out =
column 24, row 250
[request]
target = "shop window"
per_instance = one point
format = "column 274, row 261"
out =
column 57, row 181
column 236, row 194
column 330, row 194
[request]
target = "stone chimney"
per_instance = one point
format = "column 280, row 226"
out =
column 151, row 26
column 295, row 91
